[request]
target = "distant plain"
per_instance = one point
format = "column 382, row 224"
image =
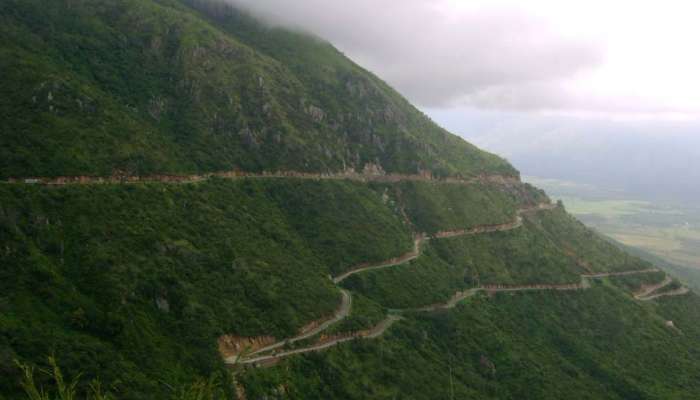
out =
column 669, row 230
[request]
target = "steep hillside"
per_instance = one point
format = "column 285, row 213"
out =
column 139, row 87
column 188, row 196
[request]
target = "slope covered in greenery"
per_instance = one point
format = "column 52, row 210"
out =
column 591, row 250
column 127, row 281
column 594, row 344
column 98, row 87
column 136, row 284
column 521, row 256
column 433, row 207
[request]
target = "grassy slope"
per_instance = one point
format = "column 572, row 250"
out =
column 146, row 86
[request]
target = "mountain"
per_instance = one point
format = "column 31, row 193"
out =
column 196, row 205
column 142, row 87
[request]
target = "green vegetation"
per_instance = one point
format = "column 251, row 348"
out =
column 595, row 344
column 96, row 87
column 135, row 283
column 585, row 245
column 669, row 231
column 633, row 283
column 521, row 256
column 364, row 315
column 433, row 207
column 132, row 284
column 203, row 389
column 424, row 281
column 690, row 276
column 684, row 312
column 673, row 286
column 343, row 223
column 605, row 208
column 518, row 257
column 371, row 117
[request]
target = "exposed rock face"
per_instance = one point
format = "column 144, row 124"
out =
column 163, row 304
column 156, row 107
column 315, row 113
column 230, row 345
column 249, row 137
column 373, row 169
column 487, row 367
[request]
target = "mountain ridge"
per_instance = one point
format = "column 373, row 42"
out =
column 182, row 93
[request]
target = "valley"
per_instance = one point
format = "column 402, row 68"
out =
column 669, row 231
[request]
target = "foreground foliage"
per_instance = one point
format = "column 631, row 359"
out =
column 202, row 389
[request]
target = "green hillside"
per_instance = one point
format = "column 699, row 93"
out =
column 409, row 279
column 97, row 87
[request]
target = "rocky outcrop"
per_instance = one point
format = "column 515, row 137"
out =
column 163, row 304
column 646, row 290
column 376, row 331
column 373, row 169
column 487, row 367
column 316, row 113
column 232, row 346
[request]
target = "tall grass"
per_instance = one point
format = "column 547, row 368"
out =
column 201, row 389
column 63, row 390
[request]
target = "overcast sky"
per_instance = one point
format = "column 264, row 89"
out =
column 619, row 58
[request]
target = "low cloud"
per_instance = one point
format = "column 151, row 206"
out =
column 439, row 55
column 591, row 57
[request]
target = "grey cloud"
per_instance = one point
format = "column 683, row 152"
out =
column 483, row 58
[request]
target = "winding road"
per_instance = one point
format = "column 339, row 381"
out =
column 373, row 333
column 260, row 358
column 677, row 292
column 342, row 312
column 236, row 174
column 422, row 238
column 649, row 292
